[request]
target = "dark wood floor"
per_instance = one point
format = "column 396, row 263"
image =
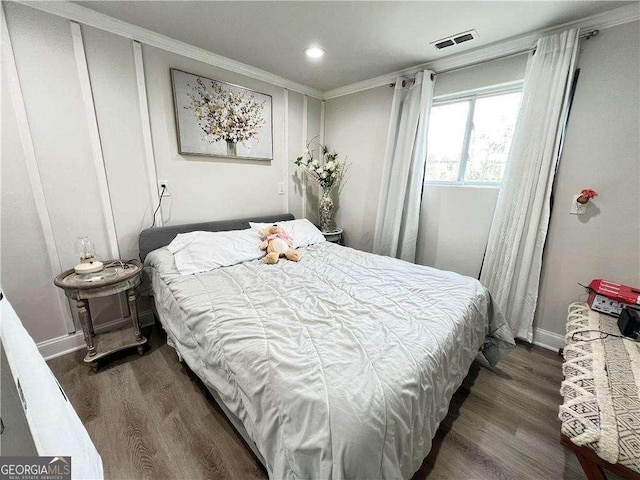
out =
column 150, row 417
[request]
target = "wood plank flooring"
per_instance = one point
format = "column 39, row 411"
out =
column 150, row 417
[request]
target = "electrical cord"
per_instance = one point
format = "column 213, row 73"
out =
column 119, row 263
column 587, row 287
column 164, row 187
column 600, row 337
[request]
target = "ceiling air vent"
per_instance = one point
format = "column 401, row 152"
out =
column 456, row 39
column 463, row 38
column 444, row 44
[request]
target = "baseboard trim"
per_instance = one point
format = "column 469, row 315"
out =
column 549, row 340
column 56, row 347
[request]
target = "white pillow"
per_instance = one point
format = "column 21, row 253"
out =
column 196, row 252
column 303, row 232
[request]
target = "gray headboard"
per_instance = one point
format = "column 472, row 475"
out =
column 152, row 238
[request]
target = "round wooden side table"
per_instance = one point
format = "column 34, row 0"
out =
column 118, row 276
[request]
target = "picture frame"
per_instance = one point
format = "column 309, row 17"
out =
column 220, row 119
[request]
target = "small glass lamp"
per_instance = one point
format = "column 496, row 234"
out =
column 87, row 253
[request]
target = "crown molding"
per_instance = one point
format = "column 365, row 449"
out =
column 513, row 46
column 91, row 18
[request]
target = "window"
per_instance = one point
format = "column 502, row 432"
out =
column 469, row 138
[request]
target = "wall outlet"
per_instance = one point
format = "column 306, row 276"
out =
column 577, row 208
column 167, row 192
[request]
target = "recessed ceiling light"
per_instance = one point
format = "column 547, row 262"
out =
column 314, row 52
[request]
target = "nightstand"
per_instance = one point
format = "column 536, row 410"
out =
column 117, row 277
column 334, row 236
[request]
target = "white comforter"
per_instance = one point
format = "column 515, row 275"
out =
column 339, row 366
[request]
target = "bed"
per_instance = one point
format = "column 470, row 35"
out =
column 339, row 366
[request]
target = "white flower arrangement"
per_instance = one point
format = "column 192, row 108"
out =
column 327, row 172
column 225, row 114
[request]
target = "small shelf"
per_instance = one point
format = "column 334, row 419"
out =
column 112, row 341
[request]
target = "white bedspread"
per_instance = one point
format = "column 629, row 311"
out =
column 339, row 366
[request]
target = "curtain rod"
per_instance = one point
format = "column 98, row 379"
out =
column 585, row 35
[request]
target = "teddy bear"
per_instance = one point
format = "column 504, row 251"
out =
column 277, row 243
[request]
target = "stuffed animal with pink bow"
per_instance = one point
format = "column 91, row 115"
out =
column 278, row 244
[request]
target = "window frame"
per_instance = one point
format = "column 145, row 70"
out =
column 470, row 96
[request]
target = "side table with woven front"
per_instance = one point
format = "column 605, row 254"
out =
column 118, row 276
column 600, row 412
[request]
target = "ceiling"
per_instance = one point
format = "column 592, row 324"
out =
column 363, row 39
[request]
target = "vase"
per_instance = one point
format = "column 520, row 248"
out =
column 326, row 211
column 231, row 148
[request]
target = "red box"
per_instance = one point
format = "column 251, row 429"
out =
column 609, row 297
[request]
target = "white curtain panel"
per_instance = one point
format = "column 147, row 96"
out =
column 513, row 259
column 398, row 215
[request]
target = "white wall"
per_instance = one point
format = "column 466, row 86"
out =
column 48, row 75
column 295, row 101
column 113, row 82
column 356, row 127
column 43, row 51
column 602, row 151
column 205, row 188
column 454, row 227
column 202, row 188
column 25, row 272
column 496, row 72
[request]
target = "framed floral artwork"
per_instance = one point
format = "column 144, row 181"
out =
column 220, row 119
